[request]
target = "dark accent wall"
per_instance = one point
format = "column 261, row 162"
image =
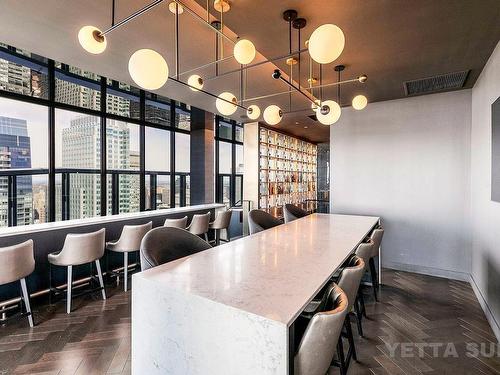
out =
column 202, row 156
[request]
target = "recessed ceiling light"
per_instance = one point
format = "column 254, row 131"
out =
column 305, row 127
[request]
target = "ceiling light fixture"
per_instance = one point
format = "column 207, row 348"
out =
column 148, row 69
column 253, row 112
column 326, row 43
column 273, row 115
column 92, row 40
column 244, row 51
column 222, row 6
column 328, row 113
column 174, row 8
column 225, row 108
column 359, row 102
column 195, row 82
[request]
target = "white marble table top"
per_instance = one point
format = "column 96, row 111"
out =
column 274, row 273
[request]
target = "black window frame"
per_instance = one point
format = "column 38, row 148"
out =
column 51, row 104
column 233, row 176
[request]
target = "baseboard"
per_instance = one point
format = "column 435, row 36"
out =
column 486, row 308
column 431, row 271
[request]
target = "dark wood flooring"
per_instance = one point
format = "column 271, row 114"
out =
column 415, row 317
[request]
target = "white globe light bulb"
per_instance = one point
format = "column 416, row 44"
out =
column 328, row 113
column 148, row 69
column 359, row 102
column 195, row 82
column 273, row 115
column 91, row 40
column 253, row 112
column 244, row 51
column 326, row 43
column 225, row 108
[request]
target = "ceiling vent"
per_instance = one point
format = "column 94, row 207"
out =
column 449, row 81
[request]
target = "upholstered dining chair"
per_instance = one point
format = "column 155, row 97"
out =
column 199, row 225
column 321, row 337
column 176, row 223
column 259, row 220
column 163, row 244
column 221, row 223
column 292, row 212
column 376, row 237
column 80, row 249
column 16, row 263
column 129, row 241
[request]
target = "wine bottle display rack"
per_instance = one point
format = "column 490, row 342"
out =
column 287, row 170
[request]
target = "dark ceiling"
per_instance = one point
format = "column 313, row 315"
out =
column 391, row 41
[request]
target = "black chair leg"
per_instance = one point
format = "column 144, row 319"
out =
column 350, row 337
column 373, row 273
column 341, row 355
column 361, row 298
column 359, row 316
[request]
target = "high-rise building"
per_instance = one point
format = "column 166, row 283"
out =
column 15, row 153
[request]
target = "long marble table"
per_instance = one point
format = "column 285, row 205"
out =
column 228, row 310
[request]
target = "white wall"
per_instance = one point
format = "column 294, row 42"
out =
column 408, row 161
column 485, row 214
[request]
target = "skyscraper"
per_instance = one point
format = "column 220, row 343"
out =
column 15, row 153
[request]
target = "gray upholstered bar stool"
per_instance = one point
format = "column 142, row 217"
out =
column 80, row 249
column 259, row 220
column 16, row 263
column 199, row 225
column 349, row 282
column 292, row 212
column 221, row 223
column 321, row 337
column 162, row 245
column 376, row 238
column 129, row 241
column 176, row 223
column 364, row 251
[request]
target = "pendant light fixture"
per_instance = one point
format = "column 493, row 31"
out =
column 244, row 51
column 273, row 115
column 253, row 112
column 328, row 113
column 91, row 40
column 174, row 8
column 225, row 108
column 326, row 43
column 359, row 102
column 195, row 82
column 148, row 69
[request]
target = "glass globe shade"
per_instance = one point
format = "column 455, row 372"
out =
column 359, row 102
column 331, row 116
column 273, row 115
column 326, row 43
column 172, row 7
column 253, row 112
column 195, row 82
column 148, row 69
column 91, row 40
column 225, row 108
column 244, row 51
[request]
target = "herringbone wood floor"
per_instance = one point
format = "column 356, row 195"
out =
column 95, row 338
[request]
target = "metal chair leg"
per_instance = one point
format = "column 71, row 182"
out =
column 206, row 237
column 68, row 289
column 341, row 355
column 359, row 316
column 373, row 273
column 350, row 337
column 362, row 302
column 26, row 298
column 101, row 282
column 125, row 271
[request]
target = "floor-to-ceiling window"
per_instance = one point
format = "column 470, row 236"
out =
column 228, row 161
column 74, row 144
